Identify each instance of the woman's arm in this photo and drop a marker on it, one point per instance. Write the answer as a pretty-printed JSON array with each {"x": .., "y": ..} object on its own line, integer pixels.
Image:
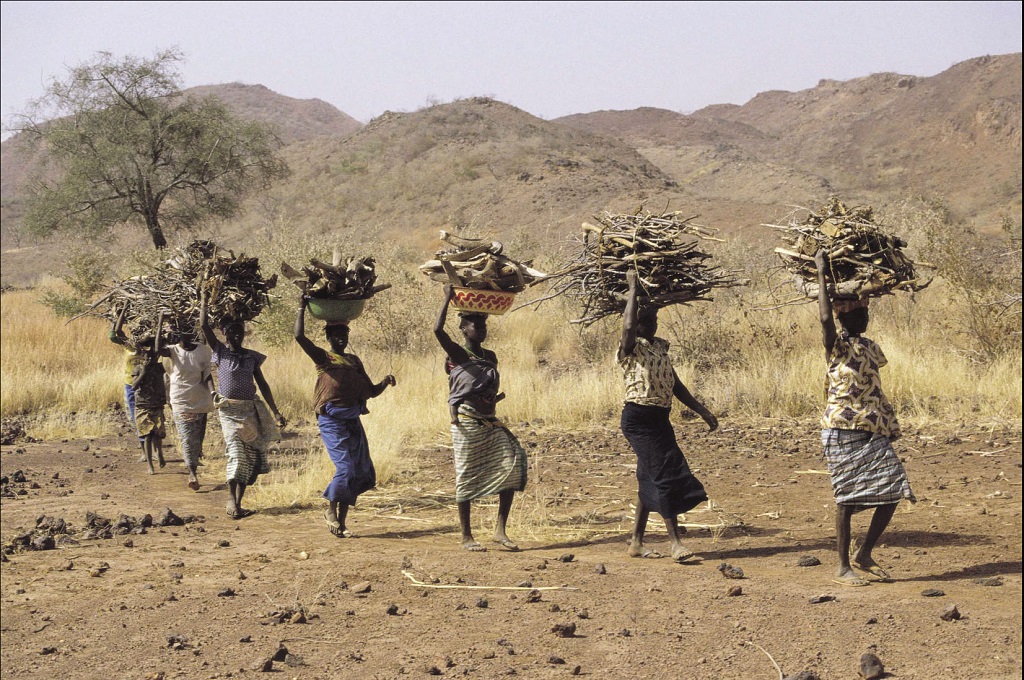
[
  {"x": 457, "y": 354},
  {"x": 627, "y": 341},
  {"x": 691, "y": 402},
  {"x": 307, "y": 345},
  {"x": 261, "y": 383},
  {"x": 828, "y": 324},
  {"x": 378, "y": 389},
  {"x": 204, "y": 323},
  {"x": 116, "y": 334}
]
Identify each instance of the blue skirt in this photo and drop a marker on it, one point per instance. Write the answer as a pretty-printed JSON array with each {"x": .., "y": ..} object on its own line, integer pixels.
[{"x": 345, "y": 439}]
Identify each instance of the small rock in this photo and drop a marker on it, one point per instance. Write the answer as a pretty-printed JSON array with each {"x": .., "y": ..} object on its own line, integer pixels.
[
  {"x": 45, "y": 542},
  {"x": 297, "y": 617},
  {"x": 266, "y": 666},
  {"x": 576, "y": 670},
  {"x": 730, "y": 571},
  {"x": 871, "y": 667},
  {"x": 735, "y": 591},
  {"x": 247, "y": 638},
  {"x": 933, "y": 592},
  {"x": 294, "y": 660},
  {"x": 482, "y": 603},
  {"x": 223, "y": 543},
  {"x": 803, "y": 675},
  {"x": 872, "y": 621},
  {"x": 808, "y": 561},
  {"x": 525, "y": 584},
  {"x": 433, "y": 670},
  {"x": 583, "y": 613},
  {"x": 281, "y": 653},
  {"x": 950, "y": 613},
  {"x": 567, "y": 557},
  {"x": 555, "y": 660},
  {"x": 533, "y": 596},
  {"x": 45, "y": 651},
  {"x": 128, "y": 543},
  {"x": 460, "y": 606},
  {"x": 988, "y": 581},
  {"x": 444, "y": 662},
  {"x": 600, "y": 569},
  {"x": 242, "y": 576},
  {"x": 227, "y": 592},
  {"x": 554, "y": 607},
  {"x": 361, "y": 587},
  {"x": 566, "y": 630},
  {"x": 303, "y": 555},
  {"x": 169, "y": 519},
  {"x": 822, "y": 598},
  {"x": 392, "y": 610}
]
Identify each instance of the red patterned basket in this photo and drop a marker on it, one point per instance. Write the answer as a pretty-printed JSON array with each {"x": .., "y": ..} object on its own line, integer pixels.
[{"x": 476, "y": 301}]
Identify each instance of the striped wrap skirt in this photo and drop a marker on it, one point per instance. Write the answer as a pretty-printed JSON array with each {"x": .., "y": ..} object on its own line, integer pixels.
[
  {"x": 248, "y": 428},
  {"x": 864, "y": 468},
  {"x": 191, "y": 434},
  {"x": 488, "y": 458}
]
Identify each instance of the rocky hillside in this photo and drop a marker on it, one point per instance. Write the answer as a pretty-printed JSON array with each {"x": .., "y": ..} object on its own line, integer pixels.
[
  {"x": 488, "y": 167},
  {"x": 956, "y": 136}
]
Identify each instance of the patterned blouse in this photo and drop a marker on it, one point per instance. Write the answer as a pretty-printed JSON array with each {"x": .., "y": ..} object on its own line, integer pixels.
[
  {"x": 853, "y": 389},
  {"x": 236, "y": 370},
  {"x": 648, "y": 373}
]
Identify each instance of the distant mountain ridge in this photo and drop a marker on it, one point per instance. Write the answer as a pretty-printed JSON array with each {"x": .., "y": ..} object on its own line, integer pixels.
[{"x": 486, "y": 166}]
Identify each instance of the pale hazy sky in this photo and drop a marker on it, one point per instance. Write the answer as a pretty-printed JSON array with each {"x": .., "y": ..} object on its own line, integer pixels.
[{"x": 548, "y": 58}]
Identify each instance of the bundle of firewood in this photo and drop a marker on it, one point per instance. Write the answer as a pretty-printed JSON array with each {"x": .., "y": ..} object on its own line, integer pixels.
[
  {"x": 234, "y": 285},
  {"x": 661, "y": 249},
  {"x": 353, "y": 279},
  {"x": 472, "y": 263},
  {"x": 864, "y": 259}
]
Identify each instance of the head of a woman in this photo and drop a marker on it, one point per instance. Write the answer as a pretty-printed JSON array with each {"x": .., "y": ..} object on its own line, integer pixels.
[
  {"x": 852, "y": 316},
  {"x": 337, "y": 336},
  {"x": 234, "y": 333},
  {"x": 647, "y": 323},
  {"x": 473, "y": 327}
]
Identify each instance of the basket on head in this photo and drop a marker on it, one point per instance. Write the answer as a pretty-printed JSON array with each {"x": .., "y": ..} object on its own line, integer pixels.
[
  {"x": 335, "y": 310},
  {"x": 476, "y": 301}
]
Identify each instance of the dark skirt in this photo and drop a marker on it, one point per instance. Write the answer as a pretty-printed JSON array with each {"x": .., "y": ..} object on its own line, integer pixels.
[{"x": 666, "y": 484}]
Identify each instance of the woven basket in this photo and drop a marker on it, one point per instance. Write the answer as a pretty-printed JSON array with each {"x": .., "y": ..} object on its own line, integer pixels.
[
  {"x": 475, "y": 301},
  {"x": 335, "y": 310}
]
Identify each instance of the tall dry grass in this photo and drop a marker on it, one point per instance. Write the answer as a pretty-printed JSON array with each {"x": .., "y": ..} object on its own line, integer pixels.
[{"x": 743, "y": 358}]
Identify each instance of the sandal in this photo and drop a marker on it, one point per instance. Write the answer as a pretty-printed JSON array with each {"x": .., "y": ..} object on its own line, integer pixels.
[{"x": 333, "y": 525}]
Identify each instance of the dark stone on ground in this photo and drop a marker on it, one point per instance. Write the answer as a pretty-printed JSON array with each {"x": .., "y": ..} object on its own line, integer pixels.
[
  {"x": 822, "y": 598},
  {"x": 933, "y": 592},
  {"x": 808, "y": 561},
  {"x": 600, "y": 569},
  {"x": 871, "y": 667},
  {"x": 735, "y": 591},
  {"x": 566, "y": 630},
  {"x": 730, "y": 571},
  {"x": 950, "y": 613}
]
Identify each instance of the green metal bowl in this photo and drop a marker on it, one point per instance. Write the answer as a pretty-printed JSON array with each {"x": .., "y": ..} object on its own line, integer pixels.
[{"x": 335, "y": 310}]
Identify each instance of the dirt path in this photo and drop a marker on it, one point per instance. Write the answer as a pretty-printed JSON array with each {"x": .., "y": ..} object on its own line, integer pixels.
[{"x": 162, "y": 607}]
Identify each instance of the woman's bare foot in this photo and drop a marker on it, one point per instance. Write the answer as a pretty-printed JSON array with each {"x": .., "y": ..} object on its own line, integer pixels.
[
  {"x": 506, "y": 543},
  {"x": 470, "y": 544},
  {"x": 869, "y": 565},
  {"x": 681, "y": 553}
]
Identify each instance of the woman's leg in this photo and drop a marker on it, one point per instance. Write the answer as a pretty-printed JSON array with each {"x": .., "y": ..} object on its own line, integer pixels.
[
  {"x": 147, "y": 450},
  {"x": 504, "y": 507},
  {"x": 233, "y": 497},
  {"x": 879, "y": 521},
  {"x": 844, "y": 572},
  {"x": 468, "y": 542},
  {"x": 679, "y": 552},
  {"x": 636, "y": 542}
]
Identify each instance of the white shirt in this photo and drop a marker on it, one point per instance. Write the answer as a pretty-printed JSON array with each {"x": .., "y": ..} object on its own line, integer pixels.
[{"x": 189, "y": 372}]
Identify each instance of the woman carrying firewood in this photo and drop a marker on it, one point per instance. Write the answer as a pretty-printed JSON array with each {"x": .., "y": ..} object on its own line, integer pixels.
[
  {"x": 191, "y": 401},
  {"x": 244, "y": 419},
  {"x": 666, "y": 484},
  {"x": 858, "y": 427},
  {"x": 488, "y": 458},
  {"x": 342, "y": 390}
]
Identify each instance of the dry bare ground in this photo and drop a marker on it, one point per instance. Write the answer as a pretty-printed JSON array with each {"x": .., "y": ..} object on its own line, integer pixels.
[{"x": 216, "y": 597}]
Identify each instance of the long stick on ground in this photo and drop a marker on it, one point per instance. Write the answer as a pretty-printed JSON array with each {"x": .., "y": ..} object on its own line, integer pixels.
[
  {"x": 421, "y": 584},
  {"x": 748, "y": 642}
]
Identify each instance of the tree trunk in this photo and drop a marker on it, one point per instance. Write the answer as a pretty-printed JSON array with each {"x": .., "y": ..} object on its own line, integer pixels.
[{"x": 156, "y": 232}]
